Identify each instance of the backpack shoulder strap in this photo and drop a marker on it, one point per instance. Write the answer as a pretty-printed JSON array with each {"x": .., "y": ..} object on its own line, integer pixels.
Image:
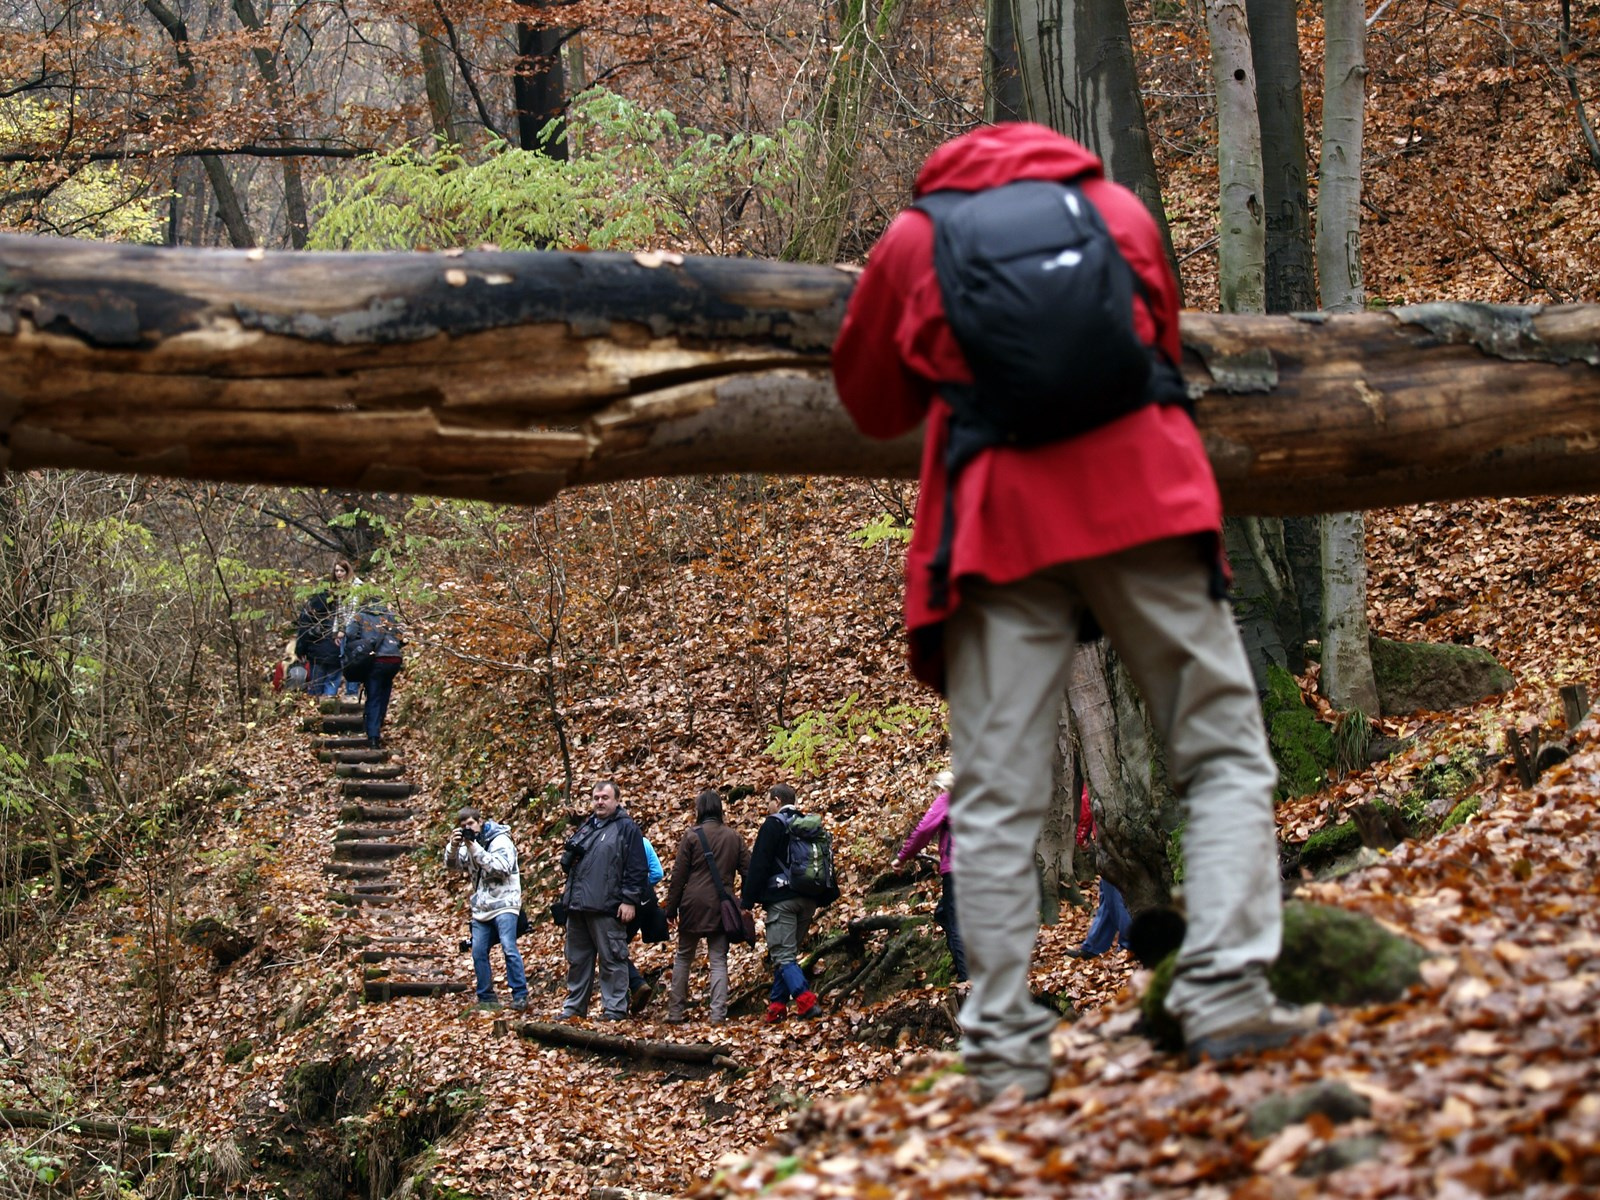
[{"x": 711, "y": 862}]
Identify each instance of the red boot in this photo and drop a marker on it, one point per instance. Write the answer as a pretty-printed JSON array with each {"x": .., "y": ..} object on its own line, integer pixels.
[
  {"x": 806, "y": 1005},
  {"x": 777, "y": 1012}
]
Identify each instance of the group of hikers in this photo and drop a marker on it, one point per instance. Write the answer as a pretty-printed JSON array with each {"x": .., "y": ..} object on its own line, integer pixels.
[
  {"x": 349, "y": 642},
  {"x": 611, "y": 871},
  {"x": 1024, "y": 313}
]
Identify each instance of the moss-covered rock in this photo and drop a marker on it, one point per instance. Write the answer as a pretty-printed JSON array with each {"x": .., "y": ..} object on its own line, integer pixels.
[
  {"x": 1302, "y": 746},
  {"x": 1434, "y": 676},
  {"x": 1459, "y": 814},
  {"x": 1329, "y": 955}
]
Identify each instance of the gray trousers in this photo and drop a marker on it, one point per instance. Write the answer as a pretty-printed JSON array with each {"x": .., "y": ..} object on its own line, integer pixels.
[
  {"x": 1009, "y": 649},
  {"x": 596, "y": 938},
  {"x": 683, "y": 963}
]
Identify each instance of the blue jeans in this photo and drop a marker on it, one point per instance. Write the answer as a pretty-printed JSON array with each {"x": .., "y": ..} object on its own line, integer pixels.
[
  {"x": 380, "y": 685},
  {"x": 324, "y": 679},
  {"x": 944, "y": 913},
  {"x": 787, "y": 923},
  {"x": 1111, "y": 922},
  {"x": 484, "y": 933},
  {"x": 352, "y": 687}
]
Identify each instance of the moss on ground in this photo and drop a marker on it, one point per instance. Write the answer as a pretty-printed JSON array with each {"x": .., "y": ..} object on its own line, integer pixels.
[
  {"x": 1329, "y": 955},
  {"x": 1302, "y": 746}
]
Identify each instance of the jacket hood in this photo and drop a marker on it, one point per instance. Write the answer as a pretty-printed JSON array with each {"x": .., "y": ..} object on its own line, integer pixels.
[
  {"x": 491, "y": 830},
  {"x": 996, "y": 154}
]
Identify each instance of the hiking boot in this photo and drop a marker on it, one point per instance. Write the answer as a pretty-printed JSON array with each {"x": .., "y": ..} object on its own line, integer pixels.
[
  {"x": 775, "y": 1013},
  {"x": 1272, "y": 1027},
  {"x": 806, "y": 1005},
  {"x": 639, "y": 997},
  {"x": 520, "y": 1005}
]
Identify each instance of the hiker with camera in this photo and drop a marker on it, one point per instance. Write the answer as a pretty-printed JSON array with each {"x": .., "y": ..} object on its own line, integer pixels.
[
  {"x": 791, "y": 874},
  {"x": 606, "y": 881},
  {"x": 1025, "y": 310},
  {"x": 484, "y": 852}
]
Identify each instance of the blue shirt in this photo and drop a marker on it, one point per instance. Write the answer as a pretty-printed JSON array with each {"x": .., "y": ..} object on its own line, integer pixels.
[{"x": 652, "y": 863}]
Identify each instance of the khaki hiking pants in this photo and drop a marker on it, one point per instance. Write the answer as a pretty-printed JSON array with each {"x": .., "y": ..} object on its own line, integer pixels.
[{"x": 1009, "y": 649}]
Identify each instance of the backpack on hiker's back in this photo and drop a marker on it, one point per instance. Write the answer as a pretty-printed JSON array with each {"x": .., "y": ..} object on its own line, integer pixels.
[
  {"x": 1040, "y": 299},
  {"x": 374, "y": 632},
  {"x": 808, "y": 858}
]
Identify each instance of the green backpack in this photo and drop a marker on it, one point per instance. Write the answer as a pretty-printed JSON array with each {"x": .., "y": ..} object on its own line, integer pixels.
[{"x": 808, "y": 863}]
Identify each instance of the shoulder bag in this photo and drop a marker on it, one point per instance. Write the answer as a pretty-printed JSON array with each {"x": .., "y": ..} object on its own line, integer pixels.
[{"x": 737, "y": 922}]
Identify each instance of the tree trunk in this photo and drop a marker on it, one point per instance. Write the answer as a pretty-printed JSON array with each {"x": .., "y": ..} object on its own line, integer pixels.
[
  {"x": 1002, "y": 72},
  {"x": 228, "y": 206},
  {"x": 540, "y": 86},
  {"x": 506, "y": 377},
  {"x": 1291, "y": 284},
  {"x": 294, "y": 192},
  {"x": 1241, "y": 230},
  {"x": 1347, "y": 676},
  {"x": 823, "y": 217},
  {"x": 436, "y": 81},
  {"x": 1125, "y": 766},
  {"x": 1079, "y": 78},
  {"x": 1053, "y": 854},
  {"x": 1264, "y": 601}
]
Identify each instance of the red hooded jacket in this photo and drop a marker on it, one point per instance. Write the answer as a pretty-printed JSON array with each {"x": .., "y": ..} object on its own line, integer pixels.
[{"x": 1141, "y": 478}]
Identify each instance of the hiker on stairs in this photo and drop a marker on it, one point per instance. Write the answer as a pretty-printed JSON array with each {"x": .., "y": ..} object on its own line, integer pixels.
[{"x": 484, "y": 851}]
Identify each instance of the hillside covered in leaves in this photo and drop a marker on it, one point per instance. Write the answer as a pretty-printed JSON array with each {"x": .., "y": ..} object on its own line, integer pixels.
[{"x": 734, "y": 633}]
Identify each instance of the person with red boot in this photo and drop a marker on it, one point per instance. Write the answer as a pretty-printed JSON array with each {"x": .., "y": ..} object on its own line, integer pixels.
[{"x": 1119, "y": 521}]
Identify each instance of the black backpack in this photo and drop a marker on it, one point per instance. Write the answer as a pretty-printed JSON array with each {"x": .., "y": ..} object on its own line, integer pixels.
[
  {"x": 1040, "y": 300},
  {"x": 373, "y": 625}
]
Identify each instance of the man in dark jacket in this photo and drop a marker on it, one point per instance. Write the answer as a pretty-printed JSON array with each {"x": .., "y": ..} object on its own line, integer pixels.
[
  {"x": 606, "y": 873},
  {"x": 374, "y": 632},
  {"x": 1122, "y": 522},
  {"x": 788, "y": 914}
]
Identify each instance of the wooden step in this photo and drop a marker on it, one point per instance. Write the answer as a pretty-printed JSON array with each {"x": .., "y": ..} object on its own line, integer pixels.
[
  {"x": 356, "y": 870},
  {"x": 377, "y": 990},
  {"x": 358, "y": 940},
  {"x": 369, "y": 770},
  {"x": 342, "y": 743},
  {"x": 375, "y": 889},
  {"x": 338, "y": 723},
  {"x": 354, "y": 899},
  {"x": 369, "y": 833},
  {"x": 364, "y": 789},
  {"x": 366, "y": 851},
  {"x": 378, "y": 956},
  {"x": 375, "y": 812},
  {"x": 332, "y": 707},
  {"x": 353, "y": 756}
]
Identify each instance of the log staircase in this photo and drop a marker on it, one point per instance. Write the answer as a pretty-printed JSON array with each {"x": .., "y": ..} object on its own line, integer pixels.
[{"x": 377, "y": 828}]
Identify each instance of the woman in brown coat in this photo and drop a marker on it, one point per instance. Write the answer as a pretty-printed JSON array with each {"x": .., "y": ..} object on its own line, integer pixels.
[{"x": 692, "y": 902}]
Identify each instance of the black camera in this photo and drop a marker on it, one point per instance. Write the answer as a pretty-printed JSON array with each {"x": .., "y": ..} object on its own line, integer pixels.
[
  {"x": 464, "y": 945},
  {"x": 571, "y": 853}
]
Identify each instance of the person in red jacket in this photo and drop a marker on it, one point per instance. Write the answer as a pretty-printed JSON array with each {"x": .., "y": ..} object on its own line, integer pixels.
[{"x": 1123, "y": 522}]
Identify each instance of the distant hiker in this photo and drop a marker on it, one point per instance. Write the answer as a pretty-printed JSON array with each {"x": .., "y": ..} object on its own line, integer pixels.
[
  {"x": 936, "y": 822},
  {"x": 649, "y": 921},
  {"x": 1112, "y": 921},
  {"x": 606, "y": 878},
  {"x": 1092, "y": 496},
  {"x": 372, "y": 654},
  {"x": 483, "y": 850},
  {"x": 710, "y": 856},
  {"x": 778, "y": 879},
  {"x": 317, "y": 641},
  {"x": 346, "y": 587}
]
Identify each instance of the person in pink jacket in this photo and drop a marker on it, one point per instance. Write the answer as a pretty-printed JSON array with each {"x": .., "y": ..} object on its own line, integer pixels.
[{"x": 936, "y": 823}]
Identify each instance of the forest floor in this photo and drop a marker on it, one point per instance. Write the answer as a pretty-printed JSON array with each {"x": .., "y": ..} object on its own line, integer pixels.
[{"x": 280, "y": 1081}]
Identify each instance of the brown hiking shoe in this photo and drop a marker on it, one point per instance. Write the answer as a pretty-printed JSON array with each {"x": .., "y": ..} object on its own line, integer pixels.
[{"x": 1272, "y": 1027}]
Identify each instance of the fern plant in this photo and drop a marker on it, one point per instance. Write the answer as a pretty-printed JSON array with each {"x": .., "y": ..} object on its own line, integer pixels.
[{"x": 641, "y": 179}]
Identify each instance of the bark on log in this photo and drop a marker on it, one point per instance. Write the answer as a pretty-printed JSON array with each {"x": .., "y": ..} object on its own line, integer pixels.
[
  {"x": 117, "y": 1131},
  {"x": 509, "y": 376},
  {"x": 642, "y": 1049}
]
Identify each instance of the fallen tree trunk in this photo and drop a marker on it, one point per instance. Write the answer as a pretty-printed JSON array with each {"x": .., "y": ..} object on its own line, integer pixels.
[
  {"x": 642, "y": 1049},
  {"x": 115, "y": 1131},
  {"x": 507, "y": 377}
]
